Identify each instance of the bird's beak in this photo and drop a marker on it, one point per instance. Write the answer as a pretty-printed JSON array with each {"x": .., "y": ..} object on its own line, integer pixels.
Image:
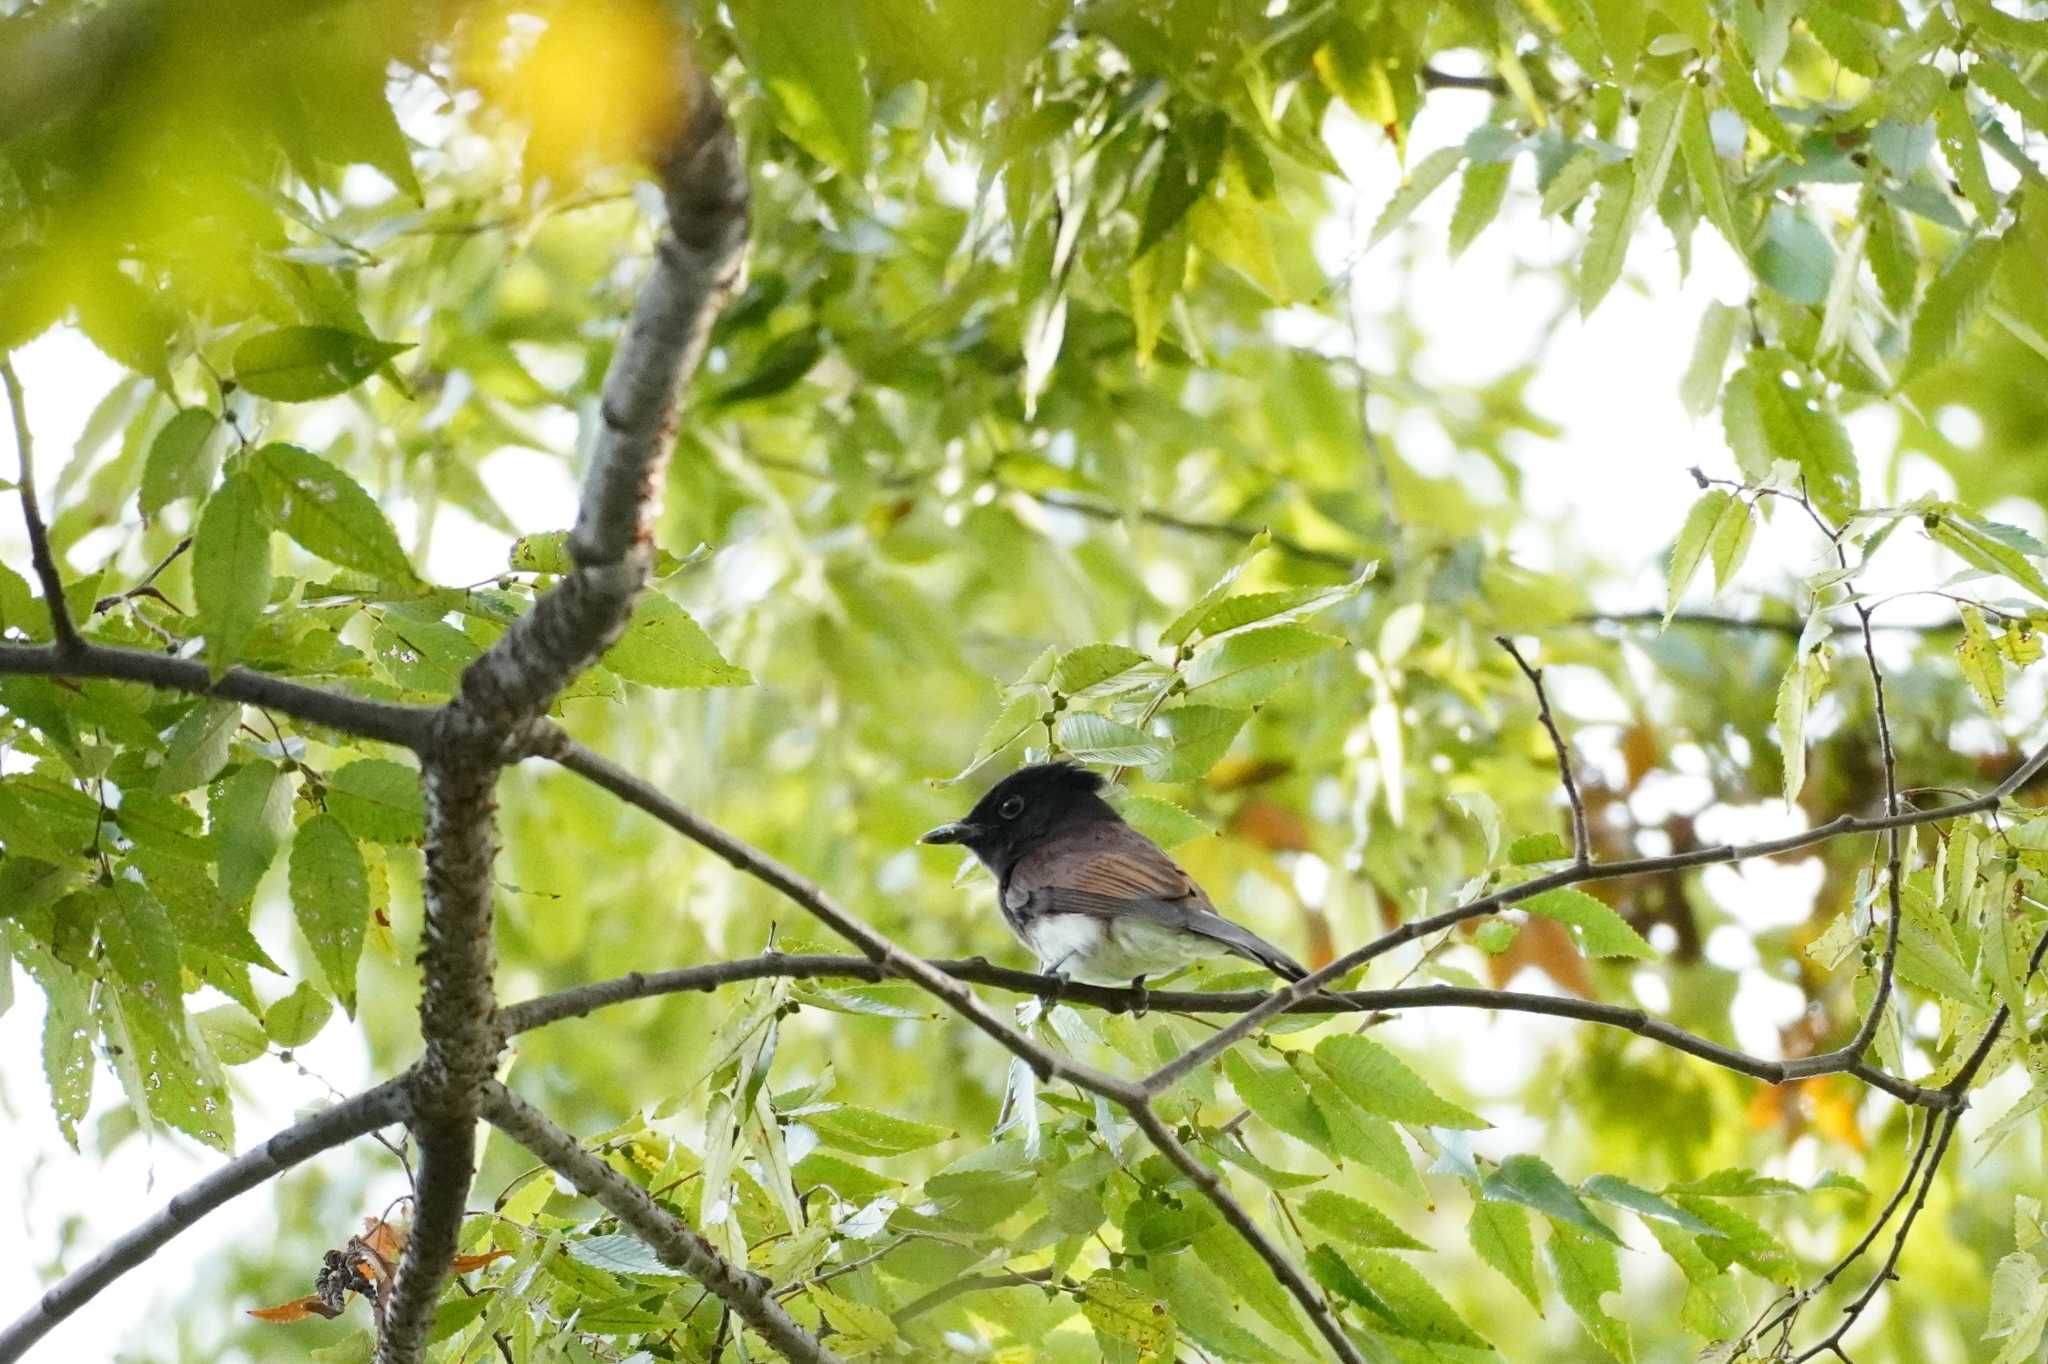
[{"x": 948, "y": 833}]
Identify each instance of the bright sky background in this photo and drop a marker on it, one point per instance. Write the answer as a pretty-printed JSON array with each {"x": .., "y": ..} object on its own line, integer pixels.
[{"x": 1615, "y": 487}]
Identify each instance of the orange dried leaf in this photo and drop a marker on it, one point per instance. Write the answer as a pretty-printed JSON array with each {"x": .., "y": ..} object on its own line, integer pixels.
[
  {"x": 382, "y": 1238},
  {"x": 298, "y": 1309},
  {"x": 462, "y": 1264}
]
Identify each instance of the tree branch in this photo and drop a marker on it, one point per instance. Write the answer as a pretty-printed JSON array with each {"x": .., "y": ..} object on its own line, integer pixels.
[
  {"x": 61, "y": 628},
  {"x": 696, "y": 266},
  {"x": 586, "y": 999},
  {"x": 1284, "y": 1269},
  {"x": 331, "y": 1127},
  {"x": 386, "y": 721},
  {"x": 1221, "y": 1041},
  {"x": 746, "y": 1293},
  {"x": 1582, "y": 847}
]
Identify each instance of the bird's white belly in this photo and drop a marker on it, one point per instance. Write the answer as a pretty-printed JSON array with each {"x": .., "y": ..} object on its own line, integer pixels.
[{"x": 1099, "y": 952}]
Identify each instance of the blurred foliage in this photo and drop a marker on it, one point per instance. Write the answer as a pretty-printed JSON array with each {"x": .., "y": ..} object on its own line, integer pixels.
[{"x": 1007, "y": 390}]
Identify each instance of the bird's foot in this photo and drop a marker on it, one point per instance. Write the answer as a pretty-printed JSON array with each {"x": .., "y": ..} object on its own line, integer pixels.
[{"x": 1143, "y": 1004}]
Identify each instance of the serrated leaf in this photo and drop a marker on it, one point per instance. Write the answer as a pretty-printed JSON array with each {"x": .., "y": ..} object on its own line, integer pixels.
[
  {"x": 1990, "y": 545},
  {"x": 813, "y": 71},
  {"x": 1703, "y": 166},
  {"x": 1012, "y": 722},
  {"x": 1702, "y": 382},
  {"x": 847, "y": 1127},
  {"x": 1691, "y": 546},
  {"x": 198, "y": 746},
  {"x": 1380, "y": 1082},
  {"x": 1599, "y": 931},
  {"x": 181, "y": 1086},
  {"x": 1162, "y": 821},
  {"x": 1277, "y": 1097},
  {"x": 298, "y": 364},
  {"x": 1423, "y": 180},
  {"x": 1293, "y": 603},
  {"x": 1798, "y": 423},
  {"x": 620, "y": 1254},
  {"x": 1740, "y": 1240},
  {"x": 1091, "y": 666},
  {"x": 231, "y": 567},
  {"x": 1964, "y": 153},
  {"x": 329, "y": 514},
  {"x": 1894, "y": 256},
  {"x": 1121, "y": 1312},
  {"x": 180, "y": 462},
  {"x": 664, "y": 647},
  {"x": 1729, "y": 546},
  {"x": 330, "y": 891},
  {"x": 1197, "y": 737},
  {"x": 297, "y": 1018},
  {"x": 1983, "y": 667},
  {"x": 1421, "y": 1311},
  {"x": 1572, "y": 180},
  {"x": 1640, "y": 1201},
  {"x": 1607, "y": 241},
  {"x": 1529, "y": 1181},
  {"x": 1226, "y": 223},
  {"x": 249, "y": 821},
  {"x": 1357, "y": 1222},
  {"x": 1095, "y": 738},
  {"x": 1795, "y": 694},
  {"x": 1185, "y": 623},
  {"x": 1528, "y": 849},
  {"x": 1587, "y": 1268},
  {"x": 1480, "y": 195},
  {"x": 235, "y": 1037},
  {"x": 1244, "y": 669},
  {"x": 1953, "y": 302},
  {"x": 1499, "y": 1232},
  {"x": 378, "y": 800}
]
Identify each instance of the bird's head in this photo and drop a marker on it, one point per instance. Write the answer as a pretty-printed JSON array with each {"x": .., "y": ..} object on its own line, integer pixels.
[{"x": 1023, "y": 808}]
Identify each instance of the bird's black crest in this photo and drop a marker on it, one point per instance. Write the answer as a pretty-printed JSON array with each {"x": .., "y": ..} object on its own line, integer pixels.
[{"x": 1040, "y": 780}]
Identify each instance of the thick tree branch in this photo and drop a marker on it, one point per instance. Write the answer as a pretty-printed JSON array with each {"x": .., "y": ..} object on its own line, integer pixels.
[
  {"x": 696, "y": 266},
  {"x": 1284, "y": 1269},
  {"x": 61, "y": 628},
  {"x": 382, "y": 720},
  {"x": 586, "y": 999},
  {"x": 746, "y": 1293},
  {"x": 1221, "y": 1041},
  {"x": 331, "y": 1127}
]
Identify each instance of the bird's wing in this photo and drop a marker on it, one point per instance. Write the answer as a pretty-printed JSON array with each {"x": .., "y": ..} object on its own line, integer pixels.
[{"x": 1185, "y": 914}]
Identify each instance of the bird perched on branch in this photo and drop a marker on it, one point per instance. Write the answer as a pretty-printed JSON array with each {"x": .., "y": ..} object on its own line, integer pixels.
[{"x": 1091, "y": 897}]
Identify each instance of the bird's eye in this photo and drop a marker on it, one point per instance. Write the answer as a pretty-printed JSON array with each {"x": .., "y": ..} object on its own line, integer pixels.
[{"x": 1012, "y": 807}]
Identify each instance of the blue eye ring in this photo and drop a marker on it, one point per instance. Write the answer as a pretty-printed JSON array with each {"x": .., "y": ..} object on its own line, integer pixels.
[{"x": 1012, "y": 807}]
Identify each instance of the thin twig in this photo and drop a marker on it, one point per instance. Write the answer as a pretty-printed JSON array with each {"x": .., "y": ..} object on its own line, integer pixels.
[
  {"x": 61, "y": 629},
  {"x": 1582, "y": 846},
  {"x": 145, "y": 586}
]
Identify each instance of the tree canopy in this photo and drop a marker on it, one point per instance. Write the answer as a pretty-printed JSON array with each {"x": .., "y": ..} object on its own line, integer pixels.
[{"x": 460, "y": 490}]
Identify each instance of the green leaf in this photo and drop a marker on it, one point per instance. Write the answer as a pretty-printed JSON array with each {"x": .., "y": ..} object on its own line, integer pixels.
[
  {"x": 620, "y": 1253},
  {"x": 1499, "y": 1232},
  {"x": 235, "y": 1038},
  {"x": 1587, "y": 1268},
  {"x": 1622, "y": 1194},
  {"x": 1092, "y": 666},
  {"x": 1198, "y": 737},
  {"x": 1737, "y": 1239},
  {"x": 1529, "y": 1181},
  {"x": 67, "y": 1043},
  {"x": 330, "y": 891},
  {"x": 664, "y": 647},
  {"x": 1691, "y": 548},
  {"x": 1012, "y": 722},
  {"x": 1702, "y": 382},
  {"x": 198, "y": 747},
  {"x": 1095, "y": 738},
  {"x": 1336, "y": 1275},
  {"x": 1123, "y": 1313},
  {"x": 1428, "y": 173},
  {"x": 1999, "y": 81},
  {"x": 1599, "y": 931},
  {"x": 1893, "y": 254},
  {"x": 1737, "y": 1182},
  {"x": 1416, "y": 1305},
  {"x": 181, "y": 460},
  {"x": 1709, "y": 178},
  {"x": 1480, "y": 195},
  {"x": 1278, "y": 1098},
  {"x": 1796, "y": 691},
  {"x": 863, "y": 1131},
  {"x": 1615, "y": 213},
  {"x": 1794, "y": 257},
  {"x": 1738, "y": 81},
  {"x": 813, "y": 71},
  {"x": 1990, "y": 545},
  {"x": 1533, "y": 848},
  {"x": 183, "y": 1088},
  {"x": 1572, "y": 181},
  {"x": 1965, "y": 154},
  {"x": 1189, "y": 620},
  {"x": 1244, "y": 669},
  {"x": 250, "y": 818},
  {"x": 297, "y": 1018},
  {"x": 1251, "y": 1279},
  {"x": 1162, "y": 821},
  {"x": 1226, "y": 223},
  {"x": 378, "y": 800},
  {"x": 231, "y": 567},
  {"x": 1357, "y": 1222},
  {"x": 1380, "y": 1082},
  {"x": 1983, "y": 667},
  {"x": 1292, "y": 603},
  {"x": 298, "y": 364},
  {"x": 329, "y": 514},
  {"x": 1798, "y": 423},
  {"x": 1954, "y": 300},
  {"x": 1733, "y": 533}
]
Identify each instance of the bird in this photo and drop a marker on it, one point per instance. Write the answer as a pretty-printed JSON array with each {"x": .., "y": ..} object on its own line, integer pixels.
[{"x": 1092, "y": 898}]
